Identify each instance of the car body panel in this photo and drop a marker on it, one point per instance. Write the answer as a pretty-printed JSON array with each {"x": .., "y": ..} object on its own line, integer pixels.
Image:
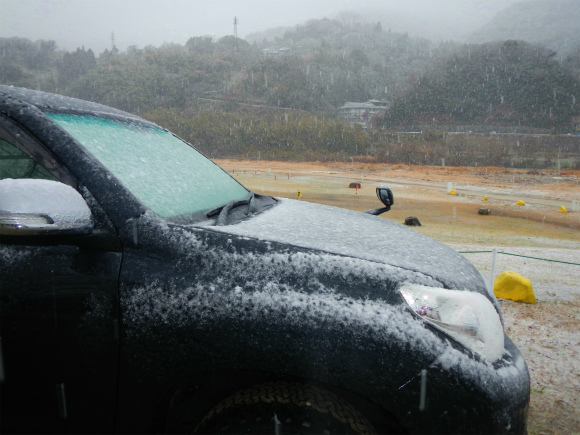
[
  {"x": 331, "y": 329},
  {"x": 59, "y": 311},
  {"x": 361, "y": 235}
]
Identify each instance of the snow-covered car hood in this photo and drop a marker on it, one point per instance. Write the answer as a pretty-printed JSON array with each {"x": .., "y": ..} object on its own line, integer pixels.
[{"x": 360, "y": 235}]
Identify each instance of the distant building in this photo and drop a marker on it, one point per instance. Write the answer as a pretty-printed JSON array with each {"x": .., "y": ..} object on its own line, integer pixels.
[
  {"x": 361, "y": 113},
  {"x": 275, "y": 53}
]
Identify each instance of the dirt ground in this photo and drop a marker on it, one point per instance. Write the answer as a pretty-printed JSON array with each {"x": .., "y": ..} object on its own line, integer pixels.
[
  {"x": 547, "y": 332},
  {"x": 422, "y": 192}
]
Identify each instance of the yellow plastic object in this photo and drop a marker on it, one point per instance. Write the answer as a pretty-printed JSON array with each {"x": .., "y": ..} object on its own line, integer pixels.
[
  {"x": 484, "y": 198},
  {"x": 563, "y": 210},
  {"x": 299, "y": 194},
  {"x": 520, "y": 202},
  {"x": 452, "y": 192},
  {"x": 512, "y": 285}
]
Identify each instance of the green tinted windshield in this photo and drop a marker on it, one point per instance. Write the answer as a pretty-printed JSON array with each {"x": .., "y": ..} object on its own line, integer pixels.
[{"x": 162, "y": 171}]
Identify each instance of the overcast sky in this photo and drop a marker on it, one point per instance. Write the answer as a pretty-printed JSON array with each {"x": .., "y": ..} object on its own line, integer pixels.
[{"x": 89, "y": 23}]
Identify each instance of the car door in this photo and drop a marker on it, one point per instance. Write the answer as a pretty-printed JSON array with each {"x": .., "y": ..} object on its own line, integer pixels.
[{"x": 58, "y": 311}]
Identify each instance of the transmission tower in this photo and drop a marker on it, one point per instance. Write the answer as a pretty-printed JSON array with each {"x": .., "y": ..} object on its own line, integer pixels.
[{"x": 236, "y": 26}]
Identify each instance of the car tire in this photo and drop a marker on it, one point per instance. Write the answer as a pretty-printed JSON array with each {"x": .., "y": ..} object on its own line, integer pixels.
[{"x": 284, "y": 408}]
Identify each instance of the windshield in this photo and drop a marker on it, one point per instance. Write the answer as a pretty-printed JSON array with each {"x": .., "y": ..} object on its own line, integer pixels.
[{"x": 163, "y": 172}]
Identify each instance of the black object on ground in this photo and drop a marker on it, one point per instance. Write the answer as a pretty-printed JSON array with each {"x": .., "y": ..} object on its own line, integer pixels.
[{"x": 412, "y": 221}]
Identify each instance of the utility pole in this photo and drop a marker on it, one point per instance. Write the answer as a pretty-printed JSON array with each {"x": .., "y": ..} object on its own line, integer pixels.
[
  {"x": 236, "y": 21},
  {"x": 114, "y": 49}
]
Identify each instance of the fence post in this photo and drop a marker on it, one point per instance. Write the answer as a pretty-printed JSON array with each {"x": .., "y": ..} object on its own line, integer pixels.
[{"x": 492, "y": 277}]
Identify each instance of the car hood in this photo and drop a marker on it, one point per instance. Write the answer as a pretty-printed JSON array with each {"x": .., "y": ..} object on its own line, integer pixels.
[{"x": 360, "y": 235}]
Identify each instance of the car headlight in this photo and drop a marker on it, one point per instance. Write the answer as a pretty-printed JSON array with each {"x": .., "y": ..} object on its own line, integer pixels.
[{"x": 468, "y": 317}]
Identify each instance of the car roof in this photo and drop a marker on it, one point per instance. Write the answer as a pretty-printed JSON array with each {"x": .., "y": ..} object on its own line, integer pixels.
[{"x": 47, "y": 102}]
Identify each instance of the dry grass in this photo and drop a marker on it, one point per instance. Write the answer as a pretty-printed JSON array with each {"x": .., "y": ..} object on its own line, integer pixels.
[{"x": 571, "y": 172}]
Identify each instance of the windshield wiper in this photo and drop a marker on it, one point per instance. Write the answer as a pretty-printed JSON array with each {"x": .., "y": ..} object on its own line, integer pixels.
[{"x": 223, "y": 210}]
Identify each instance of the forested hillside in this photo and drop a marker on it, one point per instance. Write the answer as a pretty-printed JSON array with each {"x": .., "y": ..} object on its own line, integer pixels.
[
  {"x": 278, "y": 98},
  {"x": 509, "y": 83},
  {"x": 326, "y": 64},
  {"x": 332, "y": 62},
  {"x": 315, "y": 67},
  {"x": 554, "y": 24}
]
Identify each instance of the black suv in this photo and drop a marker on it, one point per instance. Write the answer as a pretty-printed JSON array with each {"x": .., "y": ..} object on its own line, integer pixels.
[{"x": 143, "y": 289}]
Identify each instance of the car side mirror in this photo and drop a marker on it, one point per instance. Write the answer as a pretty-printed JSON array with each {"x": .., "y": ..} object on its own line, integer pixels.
[
  {"x": 30, "y": 207},
  {"x": 385, "y": 195}
]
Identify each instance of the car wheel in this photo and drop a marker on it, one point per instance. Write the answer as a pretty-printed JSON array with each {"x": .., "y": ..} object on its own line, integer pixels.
[{"x": 284, "y": 408}]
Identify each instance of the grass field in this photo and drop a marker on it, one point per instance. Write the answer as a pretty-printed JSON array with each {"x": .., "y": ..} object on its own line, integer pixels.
[{"x": 547, "y": 333}]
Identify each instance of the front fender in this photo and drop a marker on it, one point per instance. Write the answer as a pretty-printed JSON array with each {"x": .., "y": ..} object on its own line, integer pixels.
[{"x": 209, "y": 302}]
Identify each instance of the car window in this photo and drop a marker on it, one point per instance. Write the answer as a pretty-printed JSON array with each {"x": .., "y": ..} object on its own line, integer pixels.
[
  {"x": 163, "y": 172},
  {"x": 23, "y": 156},
  {"x": 14, "y": 163}
]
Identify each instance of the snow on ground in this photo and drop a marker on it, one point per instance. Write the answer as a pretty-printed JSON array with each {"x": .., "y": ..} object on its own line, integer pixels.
[
  {"x": 547, "y": 332},
  {"x": 547, "y": 335}
]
